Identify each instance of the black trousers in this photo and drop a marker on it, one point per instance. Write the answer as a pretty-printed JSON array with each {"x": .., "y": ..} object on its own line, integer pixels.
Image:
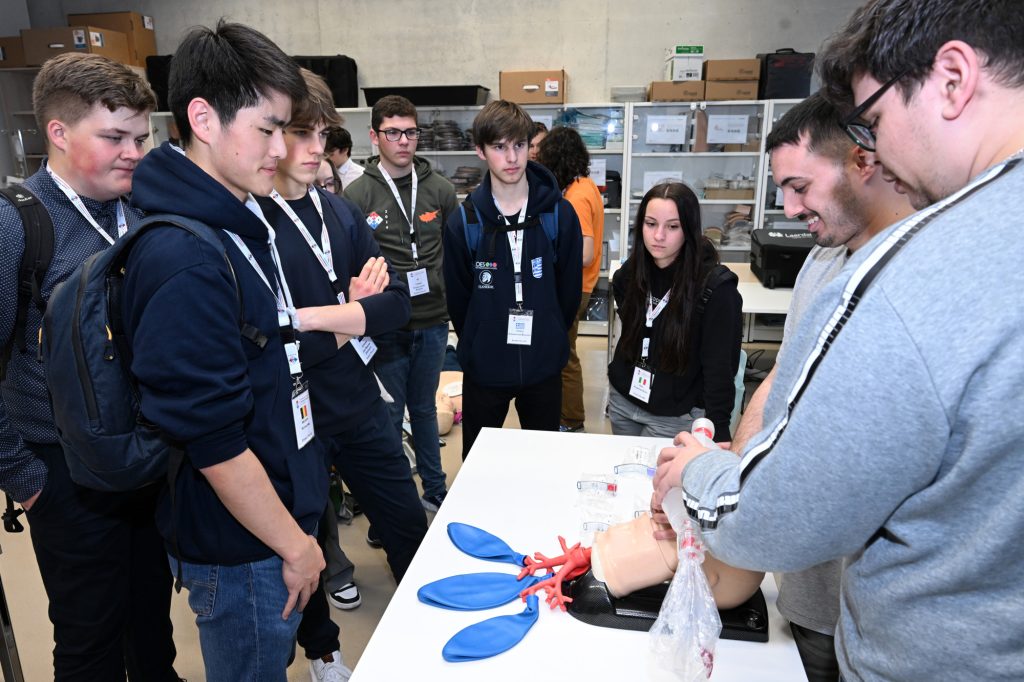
[
  {"x": 539, "y": 407},
  {"x": 817, "y": 653},
  {"x": 105, "y": 570}
]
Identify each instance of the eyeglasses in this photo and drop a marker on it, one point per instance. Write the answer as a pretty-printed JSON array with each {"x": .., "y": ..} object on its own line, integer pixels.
[
  {"x": 326, "y": 185},
  {"x": 394, "y": 134},
  {"x": 860, "y": 130}
]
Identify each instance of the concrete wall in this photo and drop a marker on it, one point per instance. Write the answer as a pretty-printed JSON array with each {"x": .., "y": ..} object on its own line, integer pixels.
[
  {"x": 600, "y": 43},
  {"x": 15, "y": 16}
]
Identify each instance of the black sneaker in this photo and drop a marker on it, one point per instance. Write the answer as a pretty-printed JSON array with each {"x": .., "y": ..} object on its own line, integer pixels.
[
  {"x": 345, "y": 597},
  {"x": 372, "y": 539}
]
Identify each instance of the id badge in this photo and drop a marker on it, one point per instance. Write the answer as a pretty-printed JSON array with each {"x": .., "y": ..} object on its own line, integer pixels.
[
  {"x": 341, "y": 297},
  {"x": 302, "y": 413},
  {"x": 418, "y": 284},
  {"x": 520, "y": 327},
  {"x": 292, "y": 351},
  {"x": 364, "y": 347},
  {"x": 640, "y": 388}
]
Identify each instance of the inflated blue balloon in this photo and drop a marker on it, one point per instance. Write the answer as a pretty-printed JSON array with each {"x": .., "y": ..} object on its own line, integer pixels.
[
  {"x": 492, "y": 636},
  {"x": 482, "y": 545},
  {"x": 475, "y": 591}
]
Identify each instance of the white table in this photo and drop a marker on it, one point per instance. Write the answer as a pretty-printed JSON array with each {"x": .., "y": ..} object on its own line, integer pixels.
[
  {"x": 521, "y": 486},
  {"x": 758, "y": 298}
]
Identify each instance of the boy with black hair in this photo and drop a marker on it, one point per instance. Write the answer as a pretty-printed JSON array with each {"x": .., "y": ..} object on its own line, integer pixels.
[
  {"x": 100, "y": 557},
  {"x": 332, "y": 262},
  {"x": 339, "y": 151},
  {"x": 253, "y": 483},
  {"x": 406, "y": 205},
  {"x": 513, "y": 270}
]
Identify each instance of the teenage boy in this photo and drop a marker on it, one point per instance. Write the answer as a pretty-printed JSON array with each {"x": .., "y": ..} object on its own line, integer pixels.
[
  {"x": 898, "y": 444},
  {"x": 332, "y": 260},
  {"x": 406, "y": 205},
  {"x": 339, "y": 151},
  {"x": 514, "y": 285},
  {"x": 839, "y": 190},
  {"x": 99, "y": 555},
  {"x": 253, "y": 483}
]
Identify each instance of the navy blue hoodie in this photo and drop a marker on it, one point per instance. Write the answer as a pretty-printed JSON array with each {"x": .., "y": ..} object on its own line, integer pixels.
[
  {"x": 342, "y": 388},
  {"x": 200, "y": 381},
  {"x": 481, "y": 286}
]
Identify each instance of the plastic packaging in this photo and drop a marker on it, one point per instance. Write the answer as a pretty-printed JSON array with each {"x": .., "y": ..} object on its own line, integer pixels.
[{"x": 683, "y": 638}]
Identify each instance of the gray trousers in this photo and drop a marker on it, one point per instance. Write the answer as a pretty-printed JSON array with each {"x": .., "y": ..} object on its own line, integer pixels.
[
  {"x": 340, "y": 571},
  {"x": 629, "y": 419}
]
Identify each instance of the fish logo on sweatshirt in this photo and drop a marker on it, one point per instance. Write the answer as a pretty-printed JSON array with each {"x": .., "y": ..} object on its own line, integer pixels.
[
  {"x": 374, "y": 220},
  {"x": 428, "y": 216}
]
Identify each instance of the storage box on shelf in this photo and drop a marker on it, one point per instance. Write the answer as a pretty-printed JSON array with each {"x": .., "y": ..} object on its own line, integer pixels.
[
  {"x": 42, "y": 43},
  {"x": 137, "y": 28}
]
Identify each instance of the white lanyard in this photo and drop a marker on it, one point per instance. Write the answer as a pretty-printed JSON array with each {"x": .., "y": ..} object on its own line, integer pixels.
[
  {"x": 515, "y": 244},
  {"x": 285, "y": 307},
  {"x": 652, "y": 314},
  {"x": 76, "y": 201},
  {"x": 324, "y": 254},
  {"x": 398, "y": 200}
]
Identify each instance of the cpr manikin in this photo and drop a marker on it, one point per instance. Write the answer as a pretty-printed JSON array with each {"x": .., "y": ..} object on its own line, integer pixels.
[{"x": 627, "y": 558}]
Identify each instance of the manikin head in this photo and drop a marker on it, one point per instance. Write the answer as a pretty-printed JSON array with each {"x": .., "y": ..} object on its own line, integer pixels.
[
  {"x": 95, "y": 114},
  {"x": 826, "y": 179},
  {"x": 502, "y": 132},
  {"x": 231, "y": 91},
  {"x": 936, "y": 87}
]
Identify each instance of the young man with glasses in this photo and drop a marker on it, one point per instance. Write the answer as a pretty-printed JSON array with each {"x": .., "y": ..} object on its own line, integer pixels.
[
  {"x": 406, "y": 205},
  {"x": 915, "y": 350}
]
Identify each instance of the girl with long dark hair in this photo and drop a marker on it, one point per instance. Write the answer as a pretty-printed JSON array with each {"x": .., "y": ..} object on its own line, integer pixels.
[{"x": 681, "y": 317}]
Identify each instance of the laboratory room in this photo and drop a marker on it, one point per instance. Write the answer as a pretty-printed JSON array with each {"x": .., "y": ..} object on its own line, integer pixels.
[{"x": 467, "y": 341}]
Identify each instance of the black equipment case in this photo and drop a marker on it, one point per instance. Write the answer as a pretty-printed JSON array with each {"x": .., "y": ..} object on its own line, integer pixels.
[
  {"x": 785, "y": 74},
  {"x": 776, "y": 256}
]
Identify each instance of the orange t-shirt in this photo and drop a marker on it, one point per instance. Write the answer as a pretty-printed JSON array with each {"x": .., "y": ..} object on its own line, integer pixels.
[{"x": 586, "y": 199}]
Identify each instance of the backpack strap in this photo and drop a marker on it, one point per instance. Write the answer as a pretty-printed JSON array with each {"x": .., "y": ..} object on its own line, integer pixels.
[
  {"x": 716, "y": 276},
  {"x": 35, "y": 260},
  {"x": 471, "y": 227}
]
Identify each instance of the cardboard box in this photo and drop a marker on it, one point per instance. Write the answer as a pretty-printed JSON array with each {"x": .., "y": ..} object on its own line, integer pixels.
[
  {"x": 732, "y": 69},
  {"x": 717, "y": 91},
  {"x": 729, "y": 194},
  {"x": 533, "y": 87},
  {"x": 684, "y": 63},
  {"x": 680, "y": 91},
  {"x": 43, "y": 43},
  {"x": 138, "y": 28},
  {"x": 12, "y": 53}
]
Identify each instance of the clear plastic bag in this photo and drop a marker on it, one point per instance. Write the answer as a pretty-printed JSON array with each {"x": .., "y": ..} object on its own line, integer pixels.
[{"x": 683, "y": 638}]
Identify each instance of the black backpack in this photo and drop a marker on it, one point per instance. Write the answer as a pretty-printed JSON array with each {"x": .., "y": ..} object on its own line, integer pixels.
[
  {"x": 35, "y": 260},
  {"x": 107, "y": 442}
]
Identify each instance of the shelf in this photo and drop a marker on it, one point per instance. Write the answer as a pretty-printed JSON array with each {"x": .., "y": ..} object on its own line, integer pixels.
[
  {"x": 593, "y": 328},
  {"x": 672, "y": 155},
  {"x": 606, "y": 151},
  {"x": 613, "y": 210},
  {"x": 775, "y": 211},
  {"x": 24, "y": 112},
  {"x": 731, "y": 247}
]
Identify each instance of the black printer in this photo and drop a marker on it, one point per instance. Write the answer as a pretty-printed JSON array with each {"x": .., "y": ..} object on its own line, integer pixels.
[{"x": 776, "y": 255}]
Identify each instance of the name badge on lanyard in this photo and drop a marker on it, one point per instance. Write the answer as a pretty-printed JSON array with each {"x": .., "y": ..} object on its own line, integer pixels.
[
  {"x": 520, "y": 321},
  {"x": 643, "y": 378},
  {"x": 420, "y": 287},
  {"x": 323, "y": 252},
  {"x": 302, "y": 413}
]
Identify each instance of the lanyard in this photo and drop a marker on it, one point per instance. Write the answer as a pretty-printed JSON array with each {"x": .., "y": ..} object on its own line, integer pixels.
[
  {"x": 652, "y": 313},
  {"x": 412, "y": 208},
  {"x": 285, "y": 307},
  {"x": 76, "y": 201},
  {"x": 323, "y": 255},
  {"x": 515, "y": 244}
]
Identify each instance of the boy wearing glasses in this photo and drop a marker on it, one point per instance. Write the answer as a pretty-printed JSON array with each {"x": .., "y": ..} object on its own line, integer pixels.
[
  {"x": 898, "y": 440},
  {"x": 406, "y": 205}
]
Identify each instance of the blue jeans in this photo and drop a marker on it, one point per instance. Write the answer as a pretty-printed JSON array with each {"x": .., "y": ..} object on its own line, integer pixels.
[
  {"x": 238, "y": 612},
  {"x": 409, "y": 365}
]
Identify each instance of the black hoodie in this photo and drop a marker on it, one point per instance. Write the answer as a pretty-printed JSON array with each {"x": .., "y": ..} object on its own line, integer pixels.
[
  {"x": 481, "y": 287},
  {"x": 199, "y": 380}
]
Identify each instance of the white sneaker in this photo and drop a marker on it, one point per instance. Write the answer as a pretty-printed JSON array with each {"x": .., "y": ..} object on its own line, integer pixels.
[{"x": 330, "y": 668}]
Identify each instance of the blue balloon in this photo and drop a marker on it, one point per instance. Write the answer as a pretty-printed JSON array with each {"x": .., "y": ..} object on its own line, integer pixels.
[
  {"x": 482, "y": 545},
  {"x": 492, "y": 636},
  {"x": 475, "y": 591}
]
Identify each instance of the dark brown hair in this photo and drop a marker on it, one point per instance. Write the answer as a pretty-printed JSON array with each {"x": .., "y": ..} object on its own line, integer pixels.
[
  {"x": 502, "y": 120},
  {"x": 563, "y": 153},
  {"x": 317, "y": 106},
  {"x": 391, "y": 105}
]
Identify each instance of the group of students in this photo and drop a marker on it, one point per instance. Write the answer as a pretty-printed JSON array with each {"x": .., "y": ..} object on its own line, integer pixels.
[{"x": 888, "y": 425}]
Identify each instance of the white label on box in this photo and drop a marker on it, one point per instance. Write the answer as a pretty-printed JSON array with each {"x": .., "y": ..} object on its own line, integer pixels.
[
  {"x": 147, "y": 22},
  {"x": 78, "y": 36},
  {"x": 652, "y": 178},
  {"x": 551, "y": 87},
  {"x": 546, "y": 120},
  {"x": 666, "y": 130},
  {"x": 598, "y": 171},
  {"x": 727, "y": 129},
  {"x": 96, "y": 38}
]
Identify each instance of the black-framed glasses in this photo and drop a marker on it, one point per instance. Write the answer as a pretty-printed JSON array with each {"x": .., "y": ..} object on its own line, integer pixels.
[
  {"x": 394, "y": 134},
  {"x": 860, "y": 130}
]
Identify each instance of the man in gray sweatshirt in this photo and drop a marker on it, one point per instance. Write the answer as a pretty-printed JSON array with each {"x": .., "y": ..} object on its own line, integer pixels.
[{"x": 894, "y": 439}]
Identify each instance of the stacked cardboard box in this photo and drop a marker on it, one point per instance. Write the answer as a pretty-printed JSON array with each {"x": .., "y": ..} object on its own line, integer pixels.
[
  {"x": 138, "y": 29},
  {"x": 12, "y": 53},
  {"x": 533, "y": 87},
  {"x": 42, "y": 43},
  {"x": 731, "y": 79}
]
